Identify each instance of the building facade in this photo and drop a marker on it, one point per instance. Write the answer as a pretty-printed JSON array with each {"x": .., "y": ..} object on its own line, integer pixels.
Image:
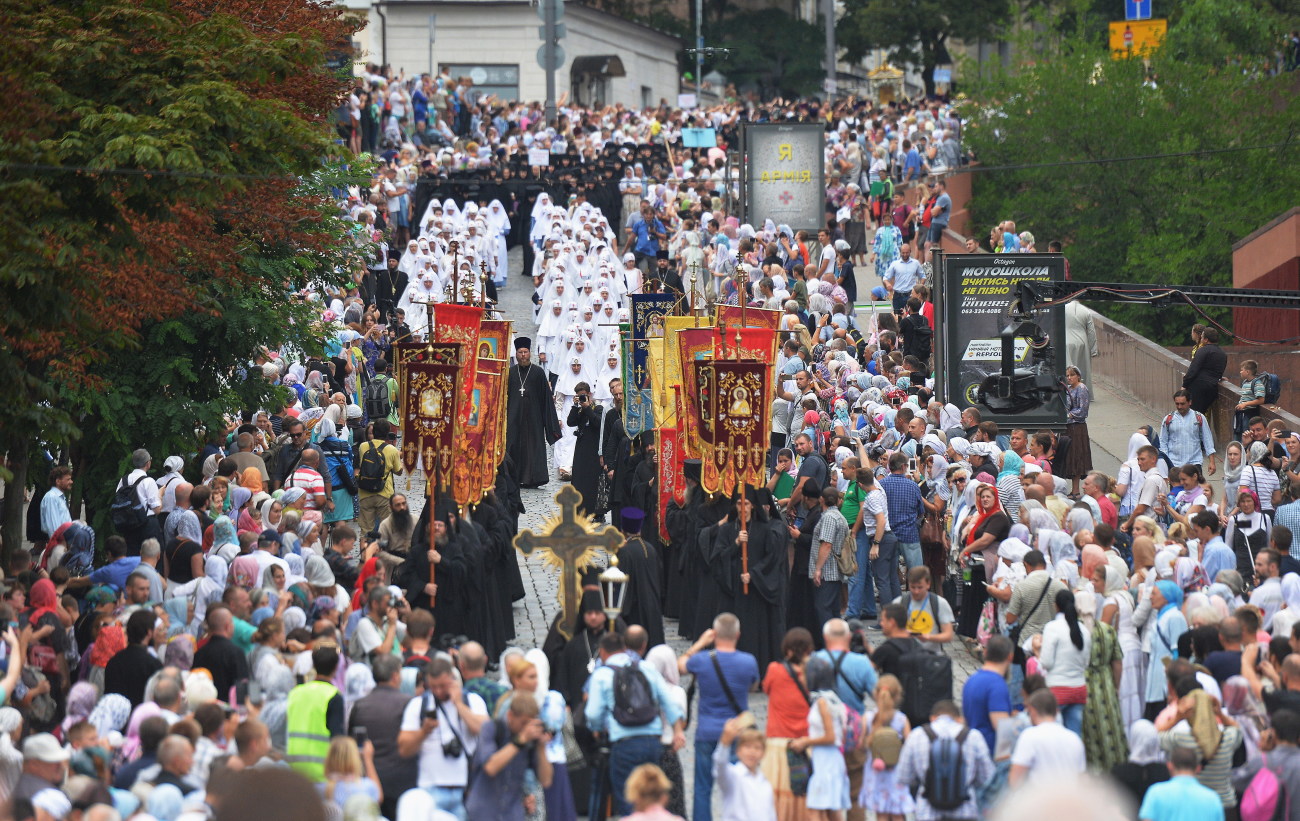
[{"x": 495, "y": 42}]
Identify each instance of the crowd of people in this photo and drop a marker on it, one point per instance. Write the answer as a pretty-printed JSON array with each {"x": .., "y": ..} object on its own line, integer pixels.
[{"x": 272, "y": 621}]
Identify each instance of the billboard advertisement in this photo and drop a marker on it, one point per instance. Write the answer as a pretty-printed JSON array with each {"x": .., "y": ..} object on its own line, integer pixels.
[
  {"x": 785, "y": 174},
  {"x": 971, "y": 300}
]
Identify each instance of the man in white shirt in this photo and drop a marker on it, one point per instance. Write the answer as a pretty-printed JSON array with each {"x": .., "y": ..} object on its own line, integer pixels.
[
  {"x": 146, "y": 490},
  {"x": 1155, "y": 488},
  {"x": 1046, "y": 750},
  {"x": 902, "y": 276},
  {"x": 437, "y": 727}
]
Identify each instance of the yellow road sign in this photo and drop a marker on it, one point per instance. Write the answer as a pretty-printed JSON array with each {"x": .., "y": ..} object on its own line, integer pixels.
[{"x": 1136, "y": 38}]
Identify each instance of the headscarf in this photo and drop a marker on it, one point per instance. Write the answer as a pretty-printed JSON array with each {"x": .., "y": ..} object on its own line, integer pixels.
[
  {"x": 369, "y": 569},
  {"x": 357, "y": 684},
  {"x": 293, "y": 618},
  {"x": 81, "y": 701},
  {"x": 1144, "y": 743},
  {"x": 165, "y": 802},
  {"x": 1090, "y": 558},
  {"x": 266, "y": 513},
  {"x": 1173, "y": 596},
  {"x": 111, "y": 713},
  {"x": 41, "y": 599},
  {"x": 318, "y": 572},
  {"x": 1164, "y": 564},
  {"x": 1011, "y": 465},
  {"x": 1204, "y": 723},
  {"x": 250, "y": 480},
  {"x": 1231, "y": 475},
  {"x": 982, "y": 515},
  {"x": 110, "y": 641},
  {"x": 1115, "y": 582},
  {"x": 663, "y": 659},
  {"x": 245, "y": 571},
  {"x": 80, "y": 539},
  {"x": 1291, "y": 591},
  {"x": 1188, "y": 574},
  {"x": 180, "y": 652},
  {"x": 223, "y": 531},
  {"x": 543, "y": 666},
  {"x": 131, "y": 748},
  {"x": 1144, "y": 552}
]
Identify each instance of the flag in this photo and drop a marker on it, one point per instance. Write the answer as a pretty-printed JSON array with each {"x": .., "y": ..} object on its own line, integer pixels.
[
  {"x": 405, "y": 353},
  {"x": 428, "y": 409},
  {"x": 459, "y": 324},
  {"x": 475, "y": 439},
  {"x": 648, "y": 314},
  {"x": 733, "y": 315},
  {"x": 734, "y": 424},
  {"x": 494, "y": 339},
  {"x": 670, "y": 471}
]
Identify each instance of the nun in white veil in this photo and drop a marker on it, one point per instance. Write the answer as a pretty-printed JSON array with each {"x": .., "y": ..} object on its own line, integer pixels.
[
  {"x": 610, "y": 369},
  {"x": 498, "y": 224},
  {"x": 565, "y": 392}
]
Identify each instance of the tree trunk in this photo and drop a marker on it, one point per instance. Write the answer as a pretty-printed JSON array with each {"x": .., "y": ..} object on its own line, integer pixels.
[{"x": 15, "y": 518}]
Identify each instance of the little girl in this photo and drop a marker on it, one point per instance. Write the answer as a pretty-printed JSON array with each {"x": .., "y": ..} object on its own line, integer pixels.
[{"x": 887, "y": 728}]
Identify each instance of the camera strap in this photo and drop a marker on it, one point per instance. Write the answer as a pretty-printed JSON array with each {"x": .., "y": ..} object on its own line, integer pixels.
[{"x": 450, "y": 726}]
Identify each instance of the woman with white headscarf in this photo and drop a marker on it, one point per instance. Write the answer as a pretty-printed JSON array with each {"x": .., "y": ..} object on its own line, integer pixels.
[
  {"x": 664, "y": 660},
  {"x": 167, "y": 485},
  {"x": 498, "y": 227},
  {"x": 11, "y": 758},
  {"x": 565, "y": 398}
]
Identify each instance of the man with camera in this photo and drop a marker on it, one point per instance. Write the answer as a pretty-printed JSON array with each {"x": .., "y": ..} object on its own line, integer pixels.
[
  {"x": 585, "y": 418},
  {"x": 507, "y": 748},
  {"x": 442, "y": 728}
]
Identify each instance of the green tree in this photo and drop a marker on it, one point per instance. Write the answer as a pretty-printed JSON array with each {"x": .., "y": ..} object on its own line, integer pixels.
[
  {"x": 1168, "y": 220},
  {"x": 777, "y": 53},
  {"x": 916, "y": 33},
  {"x": 103, "y": 257}
]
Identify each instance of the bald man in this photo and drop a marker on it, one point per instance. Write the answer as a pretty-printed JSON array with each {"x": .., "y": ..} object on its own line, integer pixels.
[
  {"x": 221, "y": 656},
  {"x": 472, "y": 661},
  {"x": 183, "y": 521}
]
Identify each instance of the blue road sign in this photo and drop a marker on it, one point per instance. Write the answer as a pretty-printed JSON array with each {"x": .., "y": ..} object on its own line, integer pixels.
[{"x": 1137, "y": 9}]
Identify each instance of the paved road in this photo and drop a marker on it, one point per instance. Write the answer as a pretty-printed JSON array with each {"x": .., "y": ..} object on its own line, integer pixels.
[{"x": 533, "y": 615}]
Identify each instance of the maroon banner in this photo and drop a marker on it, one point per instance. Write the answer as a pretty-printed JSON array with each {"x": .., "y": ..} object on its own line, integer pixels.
[
  {"x": 429, "y": 419},
  {"x": 734, "y": 415}
]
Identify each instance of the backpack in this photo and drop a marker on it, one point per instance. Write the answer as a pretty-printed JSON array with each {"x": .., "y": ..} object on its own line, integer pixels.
[
  {"x": 1272, "y": 388},
  {"x": 945, "y": 778},
  {"x": 378, "y": 399},
  {"x": 128, "y": 512},
  {"x": 926, "y": 678},
  {"x": 1265, "y": 797},
  {"x": 634, "y": 700},
  {"x": 885, "y": 744},
  {"x": 847, "y": 558},
  {"x": 372, "y": 471},
  {"x": 853, "y": 729}
]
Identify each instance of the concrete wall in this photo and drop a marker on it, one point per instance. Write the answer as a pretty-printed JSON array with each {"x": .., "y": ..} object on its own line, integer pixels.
[{"x": 505, "y": 33}]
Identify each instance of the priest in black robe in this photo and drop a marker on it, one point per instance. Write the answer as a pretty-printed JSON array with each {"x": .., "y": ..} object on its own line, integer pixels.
[
  {"x": 700, "y": 597},
  {"x": 760, "y": 609},
  {"x": 448, "y": 598},
  {"x": 531, "y": 425},
  {"x": 640, "y": 561}
]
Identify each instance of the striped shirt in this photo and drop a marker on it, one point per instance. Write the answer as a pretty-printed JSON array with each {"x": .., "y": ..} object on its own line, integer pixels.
[{"x": 834, "y": 529}]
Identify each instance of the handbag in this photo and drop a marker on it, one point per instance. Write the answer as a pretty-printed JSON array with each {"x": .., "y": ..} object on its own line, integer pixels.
[
  {"x": 573, "y": 756},
  {"x": 988, "y": 623},
  {"x": 931, "y": 528},
  {"x": 799, "y": 764}
]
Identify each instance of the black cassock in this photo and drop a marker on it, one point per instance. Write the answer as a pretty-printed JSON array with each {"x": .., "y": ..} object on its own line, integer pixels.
[
  {"x": 585, "y": 419},
  {"x": 761, "y": 611},
  {"x": 699, "y": 602},
  {"x": 531, "y": 425},
  {"x": 640, "y": 561}
]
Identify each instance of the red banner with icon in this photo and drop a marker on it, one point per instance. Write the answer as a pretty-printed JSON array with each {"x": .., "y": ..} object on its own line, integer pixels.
[
  {"x": 428, "y": 408},
  {"x": 734, "y": 419}
]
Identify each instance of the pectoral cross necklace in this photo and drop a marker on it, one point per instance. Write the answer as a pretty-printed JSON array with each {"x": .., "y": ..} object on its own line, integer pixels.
[{"x": 523, "y": 378}]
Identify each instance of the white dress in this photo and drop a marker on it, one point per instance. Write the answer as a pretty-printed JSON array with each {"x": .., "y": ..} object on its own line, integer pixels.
[{"x": 828, "y": 788}]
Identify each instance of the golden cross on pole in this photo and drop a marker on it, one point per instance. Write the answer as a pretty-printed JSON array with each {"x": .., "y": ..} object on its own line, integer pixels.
[{"x": 569, "y": 542}]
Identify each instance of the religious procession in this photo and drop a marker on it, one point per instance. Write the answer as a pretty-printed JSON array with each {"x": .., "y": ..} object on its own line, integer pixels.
[{"x": 656, "y": 463}]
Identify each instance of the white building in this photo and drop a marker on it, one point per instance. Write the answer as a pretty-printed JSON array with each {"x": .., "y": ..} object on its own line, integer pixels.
[{"x": 495, "y": 42}]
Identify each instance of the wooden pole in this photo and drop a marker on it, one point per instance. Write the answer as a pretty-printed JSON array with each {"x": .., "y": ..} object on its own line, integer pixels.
[
  {"x": 744, "y": 546},
  {"x": 432, "y": 530}
]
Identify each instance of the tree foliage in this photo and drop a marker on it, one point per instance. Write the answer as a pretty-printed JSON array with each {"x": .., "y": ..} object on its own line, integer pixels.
[
  {"x": 107, "y": 267},
  {"x": 916, "y": 33},
  {"x": 778, "y": 54},
  {"x": 1168, "y": 220}
]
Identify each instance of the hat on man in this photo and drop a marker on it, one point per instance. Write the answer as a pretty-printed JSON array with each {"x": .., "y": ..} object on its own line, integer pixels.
[
  {"x": 631, "y": 519},
  {"x": 45, "y": 747},
  {"x": 523, "y": 342},
  {"x": 692, "y": 469}
]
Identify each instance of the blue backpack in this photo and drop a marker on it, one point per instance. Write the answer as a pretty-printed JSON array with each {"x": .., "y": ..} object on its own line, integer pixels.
[{"x": 945, "y": 778}]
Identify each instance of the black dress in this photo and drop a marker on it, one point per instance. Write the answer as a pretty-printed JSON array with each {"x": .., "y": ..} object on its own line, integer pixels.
[
  {"x": 640, "y": 561},
  {"x": 1203, "y": 375},
  {"x": 585, "y": 420},
  {"x": 531, "y": 425},
  {"x": 760, "y": 610}
]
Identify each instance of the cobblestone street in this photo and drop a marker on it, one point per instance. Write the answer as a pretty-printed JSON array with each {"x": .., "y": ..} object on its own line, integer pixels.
[{"x": 541, "y": 584}]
